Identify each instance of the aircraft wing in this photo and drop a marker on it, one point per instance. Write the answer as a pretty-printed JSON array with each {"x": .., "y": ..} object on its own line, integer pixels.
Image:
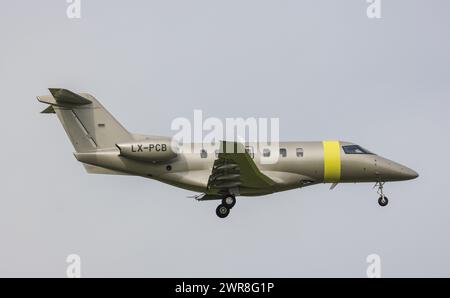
[{"x": 235, "y": 169}]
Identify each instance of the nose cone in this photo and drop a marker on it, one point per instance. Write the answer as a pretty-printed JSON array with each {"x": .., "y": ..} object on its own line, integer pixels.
[
  {"x": 406, "y": 173},
  {"x": 392, "y": 171},
  {"x": 410, "y": 174}
]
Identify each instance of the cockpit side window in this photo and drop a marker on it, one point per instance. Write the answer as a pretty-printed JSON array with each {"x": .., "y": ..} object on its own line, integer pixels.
[{"x": 355, "y": 149}]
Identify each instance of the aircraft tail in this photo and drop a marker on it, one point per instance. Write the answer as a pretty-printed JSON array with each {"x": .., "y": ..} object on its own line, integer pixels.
[{"x": 88, "y": 124}]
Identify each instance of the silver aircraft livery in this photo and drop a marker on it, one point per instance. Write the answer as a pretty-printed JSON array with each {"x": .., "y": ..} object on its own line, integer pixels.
[{"x": 104, "y": 146}]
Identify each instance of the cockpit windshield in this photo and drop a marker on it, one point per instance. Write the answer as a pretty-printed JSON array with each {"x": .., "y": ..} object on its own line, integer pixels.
[{"x": 355, "y": 149}]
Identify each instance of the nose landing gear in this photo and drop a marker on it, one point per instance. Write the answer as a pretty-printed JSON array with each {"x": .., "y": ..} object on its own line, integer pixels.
[
  {"x": 228, "y": 202},
  {"x": 382, "y": 200}
]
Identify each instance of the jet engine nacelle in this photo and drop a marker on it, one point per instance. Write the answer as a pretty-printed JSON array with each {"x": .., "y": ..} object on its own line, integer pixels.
[{"x": 148, "y": 150}]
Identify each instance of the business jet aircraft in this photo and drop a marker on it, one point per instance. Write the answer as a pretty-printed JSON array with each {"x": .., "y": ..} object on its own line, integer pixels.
[{"x": 104, "y": 146}]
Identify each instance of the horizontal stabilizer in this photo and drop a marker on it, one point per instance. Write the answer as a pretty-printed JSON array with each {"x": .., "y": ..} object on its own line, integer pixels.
[{"x": 64, "y": 97}]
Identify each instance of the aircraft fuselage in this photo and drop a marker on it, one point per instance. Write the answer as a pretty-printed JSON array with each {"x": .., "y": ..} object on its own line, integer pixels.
[{"x": 299, "y": 164}]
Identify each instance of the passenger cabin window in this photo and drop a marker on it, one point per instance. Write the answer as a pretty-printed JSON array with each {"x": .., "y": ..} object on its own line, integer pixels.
[
  {"x": 299, "y": 152},
  {"x": 203, "y": 153},
  {"x": 283, "y": 152},
  {"x": 355, "y": 149},
  {"x": 266, "y": 152},
  {"x": 249, "y": 150}
]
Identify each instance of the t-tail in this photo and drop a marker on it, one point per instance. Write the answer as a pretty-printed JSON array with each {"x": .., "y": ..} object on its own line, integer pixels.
[{"x": 89, "y": 126}]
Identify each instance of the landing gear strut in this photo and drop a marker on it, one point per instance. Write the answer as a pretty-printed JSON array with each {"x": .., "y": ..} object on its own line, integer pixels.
[
  {"x": 382, "y": 200},
  {"x": 228, "y": 202}
]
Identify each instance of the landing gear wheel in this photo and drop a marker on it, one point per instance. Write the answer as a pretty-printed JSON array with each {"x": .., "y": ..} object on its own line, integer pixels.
[
  {"x": 229, "y": 201},
  {"x": 222, "y": 211},
  {"x": 383, "y": 201}
]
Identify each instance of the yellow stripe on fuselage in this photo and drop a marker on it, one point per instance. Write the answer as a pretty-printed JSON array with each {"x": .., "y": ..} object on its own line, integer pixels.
[{"x": 332, "y": 161}]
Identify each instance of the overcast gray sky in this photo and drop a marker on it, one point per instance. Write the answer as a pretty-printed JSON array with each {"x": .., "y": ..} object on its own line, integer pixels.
[{"x": 322, "y": 67}]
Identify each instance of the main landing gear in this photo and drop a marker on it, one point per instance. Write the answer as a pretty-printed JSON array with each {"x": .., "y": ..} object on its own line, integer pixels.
[
  {"x": 223, "y": 209},
  {"x": 382, "y": 200}
]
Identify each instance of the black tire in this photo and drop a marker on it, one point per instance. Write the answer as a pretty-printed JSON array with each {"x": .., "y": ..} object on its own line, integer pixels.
[
  {"x": 222, "y": 211},
  {"x": 229, "y": 201},
  {"x": 383, "y": 201}
]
